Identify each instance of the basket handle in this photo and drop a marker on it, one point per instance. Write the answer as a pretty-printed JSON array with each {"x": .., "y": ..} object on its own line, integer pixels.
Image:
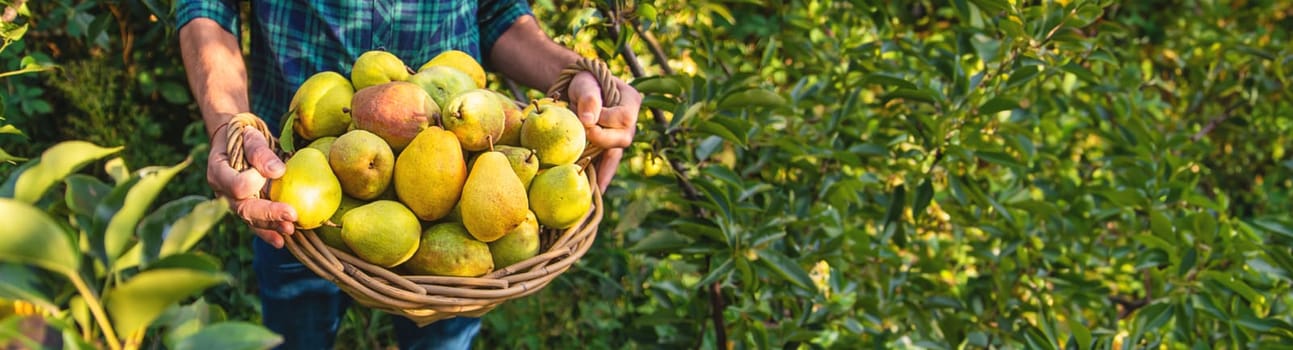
[{"x": 234, "y": 139}]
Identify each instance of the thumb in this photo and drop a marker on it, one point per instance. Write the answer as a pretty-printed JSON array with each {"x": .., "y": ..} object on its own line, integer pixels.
[{"x": 587, "y": 97}]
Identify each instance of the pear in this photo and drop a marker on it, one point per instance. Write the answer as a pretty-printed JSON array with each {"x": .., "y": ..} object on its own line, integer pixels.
[
  {"x": 395, "y": 111},
  {"x": 493, "y": 199},
  {"x": 554, "y": 132},
  {"x": 430, "y": 173},
  {"x": 363, "y": 164},
  {"x": 323, "y": 144},
  {"x": 442, "y": 83},
  {"x": 461, "y": 61},
  {"x": 447, "y": 249},
  {"x": 308, "y": 186},
  {"x": 513, "y": 118},
  {"x": 476, "y": 117},
  {"x": 519, "y": 244},
  {"x": 384, "y": 233},
  {"x": 560, "y": 196},
  {"x": 331, "y": 234},
  {"x": 378, "y": 67},
  {"x": 318, "y": 105},
  {"x": 523, "y": 161}
]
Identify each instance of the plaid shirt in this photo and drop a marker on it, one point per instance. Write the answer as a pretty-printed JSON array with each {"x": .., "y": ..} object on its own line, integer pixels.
[{"x": 292, "y": 40}]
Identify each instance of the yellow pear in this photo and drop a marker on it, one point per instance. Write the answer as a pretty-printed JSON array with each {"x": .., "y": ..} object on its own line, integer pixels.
[
  {"x": 447, "y": 249},
  {"x": 442, "y": 83},
  {"x": 461, "y": 61},
  {"x": 384, "y": 233},
  {"x": 318, "y": 105},
  {"x": 323, "y": 144},
  {"x": 308, "y": 186},
  {"x": 378, "y": 67},
  {"x": 560, "y": 196},
  {"x": 476, "y": 117},
  {"x": 493, "y": 199},
  {"x": 430, "y": 173},
  {"x": 554, "y": 132},
  {"x": 331, "y": 234},
  {"x": 513, "y": 118},
  {"x": 519, "y": 244}
]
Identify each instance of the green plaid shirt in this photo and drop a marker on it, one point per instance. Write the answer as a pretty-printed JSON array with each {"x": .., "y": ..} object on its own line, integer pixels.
[{"x": 292, "y": 40}]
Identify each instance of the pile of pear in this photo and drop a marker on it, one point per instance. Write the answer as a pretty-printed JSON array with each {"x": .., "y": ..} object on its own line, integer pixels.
[{"x": 427, "y": 172}]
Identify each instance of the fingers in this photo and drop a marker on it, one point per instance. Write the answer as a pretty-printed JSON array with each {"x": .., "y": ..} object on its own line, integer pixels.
[
  {"x": 260, "y": 155},
  {"x": 587, "y": 97},
  {"x": 264, "y": 215},
  {"x": 607, "y": 165},
  {"x": 270, "y": 236}
]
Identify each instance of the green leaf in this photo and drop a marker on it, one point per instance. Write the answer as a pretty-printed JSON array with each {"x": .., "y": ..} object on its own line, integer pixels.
[
  {"x": 287, "y": 138},
  {"x": 893, "y": 215},
  {"x": 1233, "y": 284},
  {"x": 913, "y": 95},
  {"x": 718, "y": 273},
  {"x": 21, "y": 282},
  {"x": 664, "y": 240},
  {"x": 232, "y": 335},
  {"x": 189, "y": 230},
  {"x": 1000, "y": 158},
  {"x": 9, "y": 158},
  {"x": 1080, "y": 332},
  {"x": 1160, "y": 224},
  {"x": 121, "y": 227},
  {"x": 659, "y": 85},
  {"x": 888, "y": 80},
  {"x": 751, "y": 98},
  {"x": 32, "y": 237},
  {"x": 154, "y": 227},
  {"x": 997, "y": 104},
  {"x": 1023, "y": 75},
  {"x": 1190, "y": 258},
  {"x": 55, "y": 164},
  {"x": 117, "y": 169},
  {"x": 992, "y": 7},
  {"x": 924, "y": 194},
  {"x": 191, "y": 261},
  {"x": 787, "y": 268},
  {"x": 84, "y": 193},
  {"x": 646, "y": 11},
  {"x": 137, "y": 302}
]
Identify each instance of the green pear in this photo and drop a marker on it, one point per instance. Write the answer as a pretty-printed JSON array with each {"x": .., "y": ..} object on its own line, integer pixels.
[
  {"x": 378, "y": 67},
  {"x": 430, "y": 173},
  {"x": 447, "y": 249},
  {"x": 519, "y": 244},
  {"x": 323, "y": 144},
  {"x": 318, "y": 105},
  {"x": 363, "y": 163},
  {"x": 442, "y": 83},
  {"x": 395, "y": 111},
  {"x": 476, "y": 118},
  {"x": 560, "y": 196},
  {"x": 308, "y": 186},
  {"x": 384, "y": 233},
  {"x": 493, "y": 199},
  {"x": 331, "y": 234},
  {"x": 523, "y": 161},
  {"x": 554, "y": 132}
]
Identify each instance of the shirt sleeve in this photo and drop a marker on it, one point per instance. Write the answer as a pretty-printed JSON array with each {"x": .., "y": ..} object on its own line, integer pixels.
[
  {"x": 494, "y": 17},
  {"x": 223, "y": 12}
]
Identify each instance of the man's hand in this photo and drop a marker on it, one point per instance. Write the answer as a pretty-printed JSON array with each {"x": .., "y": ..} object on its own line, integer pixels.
[
  {"x": 267, "y": 219},
  {"x": 612, "y": 128}
]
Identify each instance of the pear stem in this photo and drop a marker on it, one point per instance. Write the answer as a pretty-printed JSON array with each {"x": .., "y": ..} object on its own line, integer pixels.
[
  {"x": 490, "y": 140},
  {"x": 329, "y": 223}
]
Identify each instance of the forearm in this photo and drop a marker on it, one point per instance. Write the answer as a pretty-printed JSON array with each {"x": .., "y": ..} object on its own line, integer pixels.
[
  {"x": 216, "y": 71},
  {"x": 525, "y": 54}
]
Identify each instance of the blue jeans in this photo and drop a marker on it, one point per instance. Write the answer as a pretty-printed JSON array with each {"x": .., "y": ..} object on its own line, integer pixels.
[{"x": 306, "y": 309}]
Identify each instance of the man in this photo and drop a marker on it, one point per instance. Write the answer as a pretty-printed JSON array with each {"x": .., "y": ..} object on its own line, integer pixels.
[{"x": 291, "y": 40}]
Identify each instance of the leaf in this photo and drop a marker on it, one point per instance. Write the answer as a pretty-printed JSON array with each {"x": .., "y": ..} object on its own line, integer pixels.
[
  {"x": 1160, "y": 224},
  {"x": 189, "y": 230},
  {"x": 20, "y": 282},
  {"x": 121, "y": 227},
  {"x": 117, "y": 169},
  {"x": 892, "y": 216},
  {"x": 1274, "y": 226},
  {"x": 724, "y": 268},
  {"x": 1080, "y": 332},
  {"x": 1000, "y": 158},
  {"x": 84, "y": 192},
  {"x": 787, "y": 268},
  {"x": 55, "y": 164},
  {"x": 137, "y": 302},
  {"x": 992, "y": 7},
  {"x": 997, "y": 104},
  {"x": 232, "y": 335},
  {"x": 913, "y": 95},
  {"x": 175, "y": 93},
  {"x": 888, "y": 80},
  {"x": 32, "y": 237},
  {"x": 664, "y": 240},
  {"x": 1023, "y": 75},
  {"x": 191, "y": 261},
  {"x": 9, "y": 158},
  {"x": 659, "y": 85},
  {"x": 287, "y": 138},
  {"x": 924, "y": 194},
  {"x": 751, "y": 98},
  {"x": 154, "y": 227}
]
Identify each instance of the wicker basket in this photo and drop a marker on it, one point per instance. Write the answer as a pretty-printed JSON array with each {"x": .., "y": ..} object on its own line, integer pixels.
[{"x": 426, "y": 299}]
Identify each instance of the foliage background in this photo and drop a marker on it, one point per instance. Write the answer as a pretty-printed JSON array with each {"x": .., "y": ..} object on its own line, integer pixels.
[{"x": 934, "y": 174}]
